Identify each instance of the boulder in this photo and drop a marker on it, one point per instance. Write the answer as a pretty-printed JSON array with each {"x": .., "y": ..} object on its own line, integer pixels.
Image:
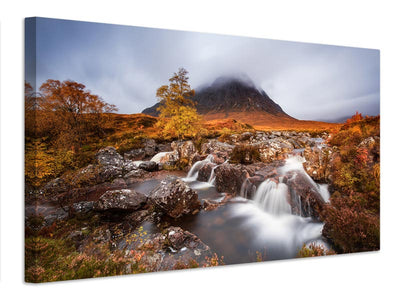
[
  {"x": 149, "y": 166},
  {"x": 174, "y": 198},
  {"x": 170, "y": 158},
  {"x": 229, "y": 178},
  {"x": 274, "y": 149},
  {"x": 109, "y": 157},
  {"x": 205, "y": 172},
  {"x": 135, "y": 154},
  {"x": 149, "y": 147},
  {"x": 179, "y": 238},
  {"x": 305, "y": 195},
  {"x": 120, "y": 200},
  {"x": 138, "y": 173},
  {"x": 186, "y": 150},
  {"x": 213, "y": 146}
]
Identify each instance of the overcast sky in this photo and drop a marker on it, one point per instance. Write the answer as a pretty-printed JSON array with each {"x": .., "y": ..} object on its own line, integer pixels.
[{"x": 125, "y": 65}]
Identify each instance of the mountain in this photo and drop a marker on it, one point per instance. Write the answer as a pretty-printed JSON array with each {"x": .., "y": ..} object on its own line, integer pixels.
[{"x": 238, "y": 98}]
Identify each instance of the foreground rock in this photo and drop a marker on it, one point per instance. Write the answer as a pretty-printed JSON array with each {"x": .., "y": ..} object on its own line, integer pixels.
[
  {"x": 174, "y": 248},
  {"x": 305, "y": 198},
  {"x": 120, "y": 200},
  {"x": 229, "y": 178},
  {"x": 174, "y": 198}
]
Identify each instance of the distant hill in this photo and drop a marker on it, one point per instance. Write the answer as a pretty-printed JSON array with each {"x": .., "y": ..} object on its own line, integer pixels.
[{"x": 240, "y": 99}]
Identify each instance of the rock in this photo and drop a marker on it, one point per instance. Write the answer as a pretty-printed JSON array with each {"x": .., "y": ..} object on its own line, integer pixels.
[
  {"x": 274, "y": 149},
  {"x": 170, "y": 158},
  {"x": 109, "y": 157},
  {"x": 312, "y": 203},
  {"x": 174, "y": 198},
  {"x": 149, "y": 147},
  {"x": 174, "y": 248},
  {"x": 186, "y": 150},
  {"x": 214, "y": 146},
  {"x": 138, "y": 173},
  {"x": 205, "y": 172},
  {"x": 317, "y": 163},
  {"x": 83, "y": 207},
  {"x": 149, "y": 166},
  {"x": 368, "y": 142},
  {"x": 121, "y": 200},
  {"x": 229, "y": 178},
  {"x": 135, "y": 154},
  {"x": 209, "y": 205},
  {"x": 136, "y": 218},
  {"x": 179, "y": 238},
  {"x": 245, "y": 136}
]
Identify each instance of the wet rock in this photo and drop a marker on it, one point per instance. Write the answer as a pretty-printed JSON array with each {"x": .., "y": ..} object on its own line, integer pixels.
[
  {"x": 209, "y": 205},
  {"x": 138, "y": 173},
  {"x": 120, "y": 200},
  {"x": 149, "y": 166},
  {"x": 205, "y": 172},
  {"x": 174, "y": 198},
  {"x": 179, "y": 238},
  {"x": 83, "y": 207},
  {"x": 174, "y": 248},
  {"x": 305, "y": 192},
  {"x": 229, "y": 178},
  {"x": 136, "y": 218}
]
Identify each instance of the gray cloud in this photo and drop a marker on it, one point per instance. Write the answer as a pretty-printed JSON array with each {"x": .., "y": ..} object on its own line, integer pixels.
[{"x": 125, "y": 65}]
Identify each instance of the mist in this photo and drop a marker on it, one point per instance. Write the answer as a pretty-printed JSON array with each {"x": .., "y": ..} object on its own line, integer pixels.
[{"x": 125, "y": 65}]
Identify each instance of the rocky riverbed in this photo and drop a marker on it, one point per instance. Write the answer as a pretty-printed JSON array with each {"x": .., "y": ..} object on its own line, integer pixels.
[{"x": 250, "y": 194}]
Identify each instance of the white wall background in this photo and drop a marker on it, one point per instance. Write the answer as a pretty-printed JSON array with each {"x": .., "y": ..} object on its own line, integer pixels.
[{"x": 370, "y": 24}]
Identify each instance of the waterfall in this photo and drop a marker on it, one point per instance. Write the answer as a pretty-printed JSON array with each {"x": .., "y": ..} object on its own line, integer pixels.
[
  {"x": 295, "y": 163},
  {"x": 323, "y": 190},
  {"x": 272, "y": 197},
  {"x": 211, "y": 180},
  {"x": 194, "y": 170}
]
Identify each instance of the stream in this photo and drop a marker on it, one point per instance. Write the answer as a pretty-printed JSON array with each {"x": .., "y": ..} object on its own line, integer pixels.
[{"x": 243, "y": 228}]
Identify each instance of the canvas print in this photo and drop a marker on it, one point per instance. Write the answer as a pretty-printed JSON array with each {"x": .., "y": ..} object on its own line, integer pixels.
[{"x": 152, "y": 150}]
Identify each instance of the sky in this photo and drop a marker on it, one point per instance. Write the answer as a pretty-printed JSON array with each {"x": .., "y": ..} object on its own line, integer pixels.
[{"x": 126, "y": 64}]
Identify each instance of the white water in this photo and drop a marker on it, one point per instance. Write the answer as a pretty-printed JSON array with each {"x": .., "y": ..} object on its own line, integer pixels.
[
  {"x": 272, "y": 198},
  {"x": 323, "y": 190},
  {"x": 211, "y": 180},
  {"x": 269, "y": 216},
  {"x": 194, "y": 170}
]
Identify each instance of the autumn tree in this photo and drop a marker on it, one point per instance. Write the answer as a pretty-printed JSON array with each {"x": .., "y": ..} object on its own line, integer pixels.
[
  {"x": 178, "y": 114},
  {"x": 75, "y": 111}
]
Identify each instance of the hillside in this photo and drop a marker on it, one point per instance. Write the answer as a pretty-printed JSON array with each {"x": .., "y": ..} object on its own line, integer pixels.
[{"x": 241, "y": 100}]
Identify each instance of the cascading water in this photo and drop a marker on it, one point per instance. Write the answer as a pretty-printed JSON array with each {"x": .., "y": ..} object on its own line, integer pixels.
[
  {"x": 279, "y": 228},
  {"x": 272, "y": 198},
  {"x": 323, "y": 190},
  {"x": 211, "y": 180},
  {"x": 194, "y": 170}
]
